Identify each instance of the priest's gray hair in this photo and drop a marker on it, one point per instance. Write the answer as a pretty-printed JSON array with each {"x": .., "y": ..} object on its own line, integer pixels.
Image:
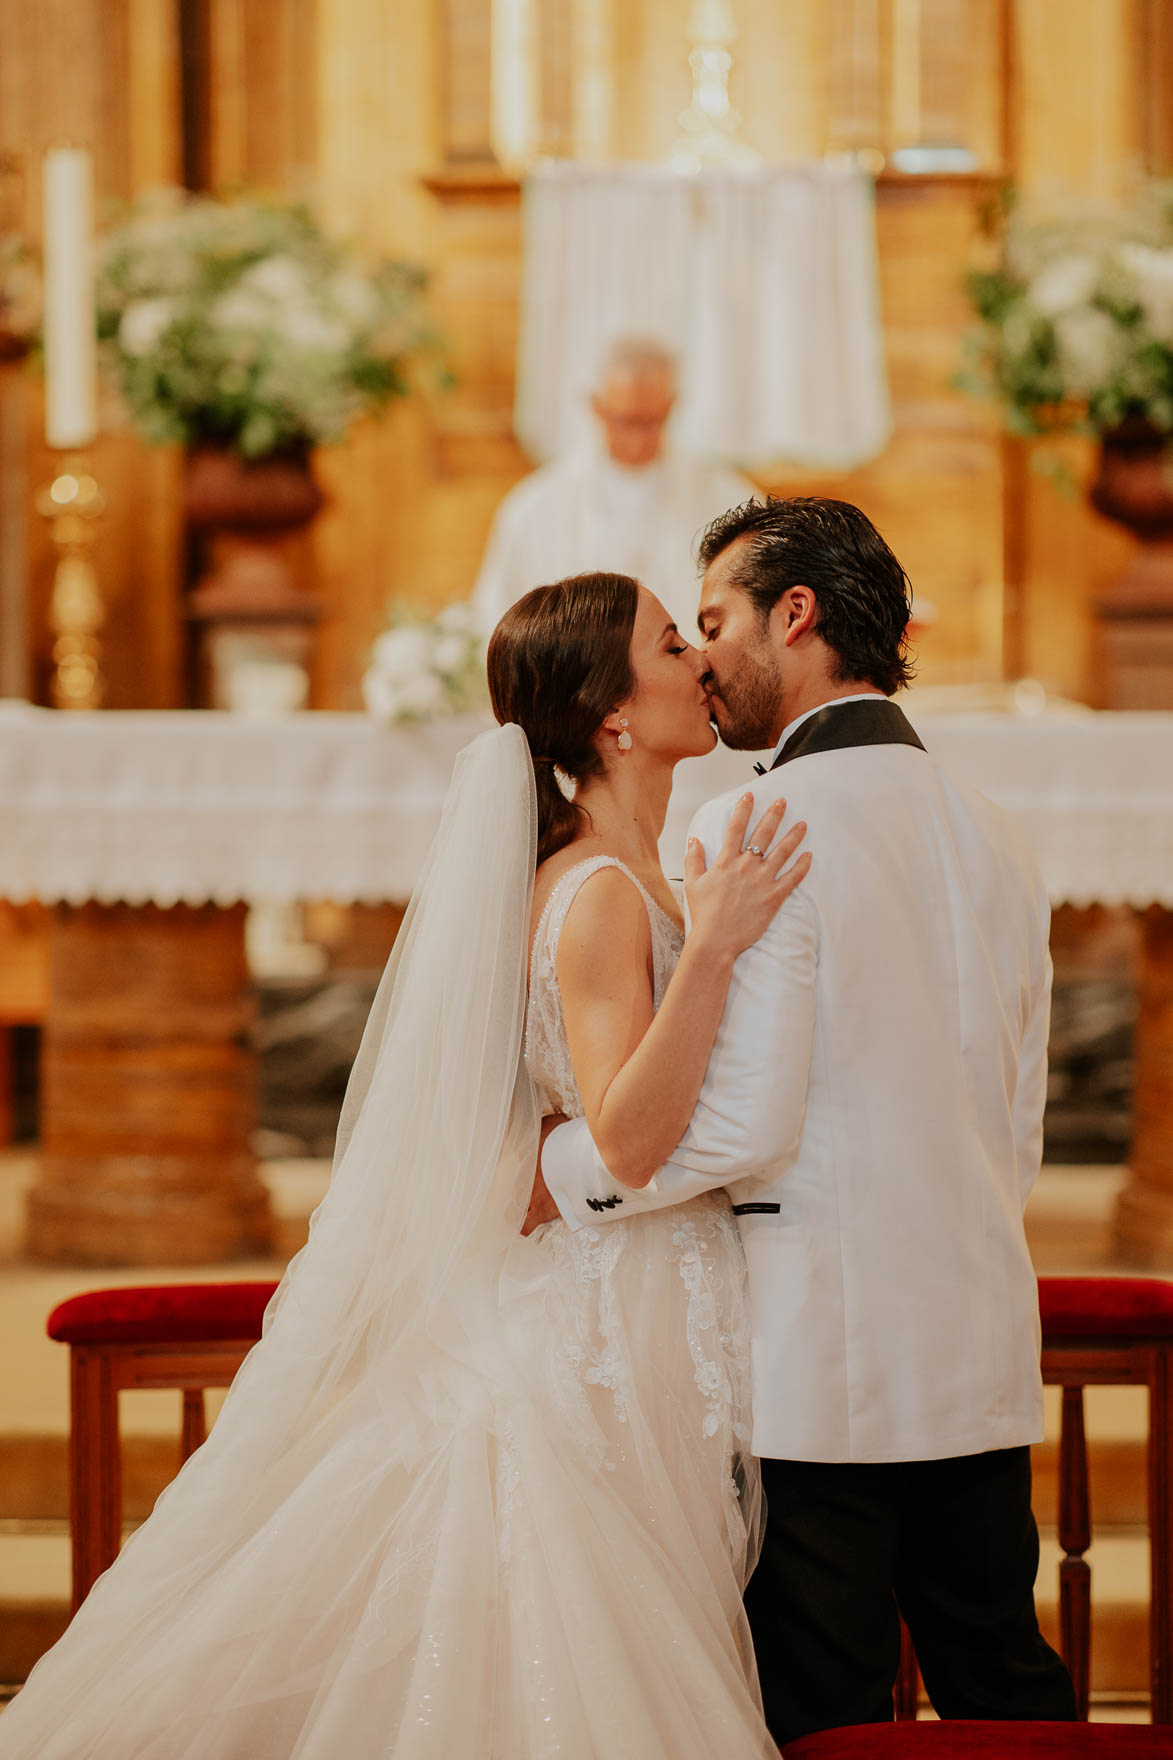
[{"x": 639, "y": 356}]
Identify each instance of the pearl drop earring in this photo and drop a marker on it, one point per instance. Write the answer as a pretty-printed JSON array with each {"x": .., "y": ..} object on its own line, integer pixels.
[{"x": 624, "y": 740}]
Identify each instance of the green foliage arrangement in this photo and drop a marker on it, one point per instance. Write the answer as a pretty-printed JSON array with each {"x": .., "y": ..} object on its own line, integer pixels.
[
  {"x": 1076, "y": 319},
  {"x": 239, "y": 323}
]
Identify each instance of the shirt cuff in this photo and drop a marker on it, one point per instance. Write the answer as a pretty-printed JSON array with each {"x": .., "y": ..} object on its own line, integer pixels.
[
  {"x": 560, "y": 1155},
  {"x": 573, "y": 1169}
]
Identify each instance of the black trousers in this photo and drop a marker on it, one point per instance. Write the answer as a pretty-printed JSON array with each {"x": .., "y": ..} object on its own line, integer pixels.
[{"x": 951, "y": 1544}]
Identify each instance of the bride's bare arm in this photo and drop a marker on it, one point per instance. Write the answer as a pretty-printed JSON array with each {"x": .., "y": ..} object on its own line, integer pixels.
[{"x": 640, "y": 1073}]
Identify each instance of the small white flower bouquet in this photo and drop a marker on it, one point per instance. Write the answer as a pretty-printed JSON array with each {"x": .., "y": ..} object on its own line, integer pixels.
[{"x": 424, "y": 668}]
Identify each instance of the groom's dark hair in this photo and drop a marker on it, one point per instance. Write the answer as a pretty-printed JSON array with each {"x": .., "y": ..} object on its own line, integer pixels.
[{"x": 861, "y": 592}]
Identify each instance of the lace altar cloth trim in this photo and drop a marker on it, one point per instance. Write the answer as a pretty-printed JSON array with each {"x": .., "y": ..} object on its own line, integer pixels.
[
  {"x": 211, "y": 808},
  {"x": 207, "y": 807}
]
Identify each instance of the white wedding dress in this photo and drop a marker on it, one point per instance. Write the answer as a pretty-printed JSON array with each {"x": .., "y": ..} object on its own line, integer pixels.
[{"x": 511, "y": 1523}]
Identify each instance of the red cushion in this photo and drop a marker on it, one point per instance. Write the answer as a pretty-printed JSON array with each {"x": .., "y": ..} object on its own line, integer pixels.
[
  {"x": 1105, "y": 1307},
  {"x": 982, "y": 1741},
  {"x": 162, "y": 1313}
]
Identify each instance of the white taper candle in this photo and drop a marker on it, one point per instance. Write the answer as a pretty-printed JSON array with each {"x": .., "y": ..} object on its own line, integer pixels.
[{"x": 70, "y": 354}]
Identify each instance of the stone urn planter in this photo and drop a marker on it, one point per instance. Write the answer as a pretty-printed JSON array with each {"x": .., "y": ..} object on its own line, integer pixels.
[
  {"x": 256, "y": 618},
  {"x": 1134, "y": 487}
]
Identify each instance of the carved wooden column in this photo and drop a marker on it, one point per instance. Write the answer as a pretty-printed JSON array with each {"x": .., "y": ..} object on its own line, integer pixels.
[
  {"x": 148, "y": 1091},
  {"x": 1144, "y": 1217}
]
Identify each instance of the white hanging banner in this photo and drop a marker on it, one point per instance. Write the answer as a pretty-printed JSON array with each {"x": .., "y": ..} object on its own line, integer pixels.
[{"x": 765, "y": 283}]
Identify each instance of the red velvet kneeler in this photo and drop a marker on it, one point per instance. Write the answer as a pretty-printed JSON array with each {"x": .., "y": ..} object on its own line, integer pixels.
[{"x": 985, "y": 1741}]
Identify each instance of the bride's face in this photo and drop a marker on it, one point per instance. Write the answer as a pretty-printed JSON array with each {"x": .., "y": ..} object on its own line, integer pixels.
[{"x": 669, "y": 712}]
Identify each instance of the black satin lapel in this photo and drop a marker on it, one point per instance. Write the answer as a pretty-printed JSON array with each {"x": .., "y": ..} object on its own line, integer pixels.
[{"x": 873, "y": 722}]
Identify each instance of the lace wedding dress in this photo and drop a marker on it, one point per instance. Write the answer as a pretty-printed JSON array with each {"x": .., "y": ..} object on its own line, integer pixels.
[{"x": 472, "y": 1495}]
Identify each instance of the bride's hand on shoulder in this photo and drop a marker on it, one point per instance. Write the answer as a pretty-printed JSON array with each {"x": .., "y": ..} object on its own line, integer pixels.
[{"x": 734, "y": 902}]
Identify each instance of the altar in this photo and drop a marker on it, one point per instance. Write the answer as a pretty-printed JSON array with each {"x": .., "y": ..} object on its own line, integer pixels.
[{"x": 151, "y": 834}]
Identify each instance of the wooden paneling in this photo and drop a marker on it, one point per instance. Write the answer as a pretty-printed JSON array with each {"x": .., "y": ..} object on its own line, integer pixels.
[
  {"x": 379, "y": 134},
  {"x": 556, "y": 50},
  {"x": 1154, "y": 81},
  {"x": 1076, "y": 123},
  {"x": 910, "y": 73},
  {"x": 780, "y": 81},
  {"x": 261, "y": 90},
  {"x": 465, "y": 82},
  {"x": 1070, "y": 554}
]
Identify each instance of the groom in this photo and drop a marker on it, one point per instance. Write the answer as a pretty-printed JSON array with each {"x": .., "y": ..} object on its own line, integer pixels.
[{"x": 874, "y": 1103}]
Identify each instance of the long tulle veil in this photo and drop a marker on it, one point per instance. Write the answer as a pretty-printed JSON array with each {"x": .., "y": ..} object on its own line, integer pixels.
[{"x": 432, "y": 1170}]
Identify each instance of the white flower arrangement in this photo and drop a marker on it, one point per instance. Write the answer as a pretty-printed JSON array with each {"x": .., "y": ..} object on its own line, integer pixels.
[
  {"x": 1077, "y": 320},
  {"x": 239, "y": 323},
  {"x": 424, "y": 668}
]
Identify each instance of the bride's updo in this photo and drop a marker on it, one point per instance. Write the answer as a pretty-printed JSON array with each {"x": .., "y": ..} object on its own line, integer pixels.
[{"x": 559, "y": 662}]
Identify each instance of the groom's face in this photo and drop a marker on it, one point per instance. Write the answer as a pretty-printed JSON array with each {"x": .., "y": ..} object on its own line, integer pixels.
[{"x": 744, "y": 682}]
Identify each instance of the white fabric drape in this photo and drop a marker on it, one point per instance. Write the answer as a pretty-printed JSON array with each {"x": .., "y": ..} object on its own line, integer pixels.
[{"x": 764, "y": 282}]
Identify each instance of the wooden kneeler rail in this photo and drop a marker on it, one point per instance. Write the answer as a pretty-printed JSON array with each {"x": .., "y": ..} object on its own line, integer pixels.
[
  {"x": 187, "y": 1337},
  {"x": 1096, "y": 1332},
  {"x": 1103, "y": 1332}
]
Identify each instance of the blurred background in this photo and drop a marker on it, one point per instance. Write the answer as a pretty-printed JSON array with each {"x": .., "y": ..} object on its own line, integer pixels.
[{"x": 329, "y": 326}]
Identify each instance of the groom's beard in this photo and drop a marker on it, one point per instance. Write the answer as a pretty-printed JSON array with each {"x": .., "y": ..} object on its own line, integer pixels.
[{"x": 745, "y": 704}]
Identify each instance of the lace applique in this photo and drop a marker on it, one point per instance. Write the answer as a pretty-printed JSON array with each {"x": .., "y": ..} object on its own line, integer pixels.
[
  {"x": 605, "y": 1365},
  {"x": 720, "y": 1358}
]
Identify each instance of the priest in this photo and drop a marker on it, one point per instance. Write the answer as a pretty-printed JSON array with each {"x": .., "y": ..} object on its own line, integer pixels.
[{"x": 626, "y": 501}]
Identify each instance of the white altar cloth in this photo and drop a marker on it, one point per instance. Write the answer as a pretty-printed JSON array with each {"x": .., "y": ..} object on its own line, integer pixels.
[{"x": 205, "y": 807}]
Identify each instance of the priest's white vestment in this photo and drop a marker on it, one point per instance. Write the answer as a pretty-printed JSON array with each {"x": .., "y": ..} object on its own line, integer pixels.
[{"x": 583, "y": 513}]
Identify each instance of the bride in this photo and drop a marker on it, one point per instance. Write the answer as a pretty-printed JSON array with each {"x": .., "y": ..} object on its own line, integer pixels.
[{"x": 474, "y": 1494}]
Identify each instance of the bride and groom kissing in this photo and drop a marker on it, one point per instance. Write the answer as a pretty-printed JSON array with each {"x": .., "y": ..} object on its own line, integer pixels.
[{"x": 491, "y": 1482}]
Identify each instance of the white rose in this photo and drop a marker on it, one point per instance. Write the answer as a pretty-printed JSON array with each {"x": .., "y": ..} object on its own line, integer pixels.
[
  {"x": 402, "y": 653},
  {"x": 381, "y": 695},
  {"x": 142, "y": 324},
  {"x": 354, "y": 296},
  {"x": 1150, "y": 273},
  {"x": 451, "y": 653},
  {"x": 460, "y": 618},
  {"x": 421, "y": 695},
  {"x": 306, "y": 327},
  {"x": 241, "y": 308},
  {"x": 1091, "y": 346},
  {"x": 1067, "y": 282},
  {"x": 280, "y": 278}
]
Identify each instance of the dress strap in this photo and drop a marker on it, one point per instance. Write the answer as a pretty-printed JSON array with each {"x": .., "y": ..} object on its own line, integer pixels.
[{"x": 563, "y": 894}]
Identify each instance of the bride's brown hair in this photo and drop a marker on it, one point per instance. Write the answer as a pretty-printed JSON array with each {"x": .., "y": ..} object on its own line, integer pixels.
[{"x": 559, "y": 662}]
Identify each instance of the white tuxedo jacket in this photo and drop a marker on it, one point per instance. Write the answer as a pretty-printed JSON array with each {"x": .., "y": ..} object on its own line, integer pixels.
[{"x": 874, "y": 1103}]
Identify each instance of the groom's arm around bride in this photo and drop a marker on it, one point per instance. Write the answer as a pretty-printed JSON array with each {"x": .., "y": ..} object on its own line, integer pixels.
[{"x": 874, "y": 1103}]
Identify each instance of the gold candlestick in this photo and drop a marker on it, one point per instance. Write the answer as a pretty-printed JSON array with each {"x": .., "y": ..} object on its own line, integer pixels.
[{"x": 73, "y": 504}]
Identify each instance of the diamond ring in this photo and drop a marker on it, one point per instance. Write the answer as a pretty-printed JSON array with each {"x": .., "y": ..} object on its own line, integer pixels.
[{"x": 754, "y": 850}]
